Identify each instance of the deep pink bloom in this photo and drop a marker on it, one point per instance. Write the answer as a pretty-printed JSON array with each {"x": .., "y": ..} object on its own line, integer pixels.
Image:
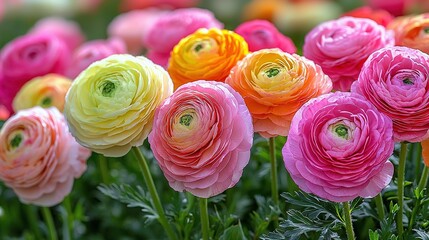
[
  {"x": 379, "y": 16},
  {"x": 396, "y": 81},
  {"x": 201, "y": 138},
  {"x": 39, "y": 158},
  {"x": 132, "y": 26},
  {"x": 92, "y": 51},
  {"x": 27, "y": 57},
  {"x": 261, "y": 34},
  {"x": 341, "y": 47},
  {"x": 395, "y": 7},
  {"x": 170, "y": 28},
  {"x": 339, "y": 146},
  {"x": 141, "y": 4},
  {"x": 68, "y": 31},
  {"x": 159, "y": 58}
]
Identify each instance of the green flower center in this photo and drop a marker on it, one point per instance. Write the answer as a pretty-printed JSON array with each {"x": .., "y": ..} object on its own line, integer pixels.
[
  {"x": 426, "y": 30},
  {"x": 47, "y": 102},
  {"x": 408, "y": 81},
  {"x": 16, "y": 141},
  {"x": 108, "y": 88},
  {"x": 272, "y": 72},
  {"x": 198, "y": 47},
  {"x": 186, "y": 120},
  {"x": 342, "y": 131}
]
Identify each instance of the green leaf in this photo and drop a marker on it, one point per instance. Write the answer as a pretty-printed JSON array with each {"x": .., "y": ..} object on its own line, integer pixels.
[
  {"x": 421, "y": 234},
  {"x": 233, "y": 232}
]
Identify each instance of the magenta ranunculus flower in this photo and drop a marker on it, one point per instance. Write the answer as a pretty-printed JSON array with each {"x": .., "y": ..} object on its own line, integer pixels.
[
  {"x": 396, "y": 81},
  {"x": 261, "y": 34},
  {"x": 39, "y": 158},
  {"x": 201, "y": 138},
  {"x": 27, "y": 57},
  {"x": 68, "y": 31},
  {"x": 92, "y": 51},
  {"x": 341, "y": 47},
  {"x": 170, "y": 28},
  {"x": 339, "y": 146}
]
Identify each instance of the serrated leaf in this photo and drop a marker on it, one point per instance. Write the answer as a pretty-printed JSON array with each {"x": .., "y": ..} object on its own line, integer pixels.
[{"x": 313, "y": 206}]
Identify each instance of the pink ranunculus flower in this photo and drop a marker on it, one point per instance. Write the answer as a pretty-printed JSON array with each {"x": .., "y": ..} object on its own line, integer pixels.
[
  {"x": 159, "y": 58},
  {"x": 132, "y": 26},
  {"x": 395, "y": 7},
  {"x": 68, "y": 31},
  {"x": 92, "y": 51},
  {"x": 201, "y": 138},
  {"x": 396, "y": 81},
  {"x": 170, "y": 28},
  {"x": 39, "y": 158},
  {"x": 27, "y": 57},
  {"x": 339, "y": 146},
  {"x": 141, "y": 4},
  {"x": 261, "y": 34},
  {"x": 341, "y": 47},
  {"x": 380, "y": 16}
]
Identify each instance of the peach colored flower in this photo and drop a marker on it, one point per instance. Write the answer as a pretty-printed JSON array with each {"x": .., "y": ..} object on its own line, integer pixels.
[
  {"x": 206, "y": 54},
  {"x": 412, "y": 31},
  {"x": 274, "y": 85},
  {"x": 425, "y": 152},
  {"x": 39, "y": 158},
  {"x": 46, "y": 91}
]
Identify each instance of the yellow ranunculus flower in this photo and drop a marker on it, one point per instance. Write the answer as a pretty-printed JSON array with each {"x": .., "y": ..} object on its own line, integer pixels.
[
  {"x": 46, "y": 91},
  {"x": 207, "y": 54},
  {"x": 110, "y": 105}
]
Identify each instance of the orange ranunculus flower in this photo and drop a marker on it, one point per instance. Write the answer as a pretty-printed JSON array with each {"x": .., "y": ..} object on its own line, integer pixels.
[
  {"x": 425, "y": 151},
  {"x": 207, "y": 54},
  {"x": 46, "y": 91},
  {"x": 274, "y": 85},
  {"x": 412, "y": 31}
]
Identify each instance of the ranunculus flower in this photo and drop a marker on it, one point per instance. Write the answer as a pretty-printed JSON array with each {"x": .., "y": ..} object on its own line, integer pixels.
[
  {"x": 395, "y": 7},
  {"x": 39, "y": 158},
  {"x": 93, "y": 51},
  {"x": 425, "y": 152},
  {"x": 202, "y": 137},
  {"x": 341, "y": 47},
  {"x": 159, "y": 58},
  {"x": 412, "y": 31},
  {"x": 379, "y": 16},
  {"x": 396, "y": 81},
  {"x": 261, "y": 34},
  {"x": 262, "y": 9},
  {"x": 170, "y": 28},
  {"x": 68, "y": 31},
  {"x": 4, "y": 113},
  {"x": 132, "y": 26},
  {"x": 141, "y": 4},
  {"x": 274, "y": 85},
  {"x": 27, "y": 57},
  {"x": 46, "y": 91},
  {"x": 206, "y": 54},
  {"x": 339, "y": 146},
  {"x": 110, "y": 105}
]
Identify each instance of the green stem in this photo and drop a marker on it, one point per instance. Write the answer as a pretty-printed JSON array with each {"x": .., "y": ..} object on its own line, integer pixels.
[
  {"x": 70, "y": 218},
  {"x": 103, "y": 168},
  {"x": 204, "y": 214},
  {"x": 424, "y": 179},
  {"x": 50, "y": 223},
  {"x": 32, "y": 218},
  {"x": 348, "y": 221},
  {"x": 380, "y": 206},
  {"x": 401, "y": 179},
  {"x": 152, "y": 190},
  {"x": 273, "y": 160}
]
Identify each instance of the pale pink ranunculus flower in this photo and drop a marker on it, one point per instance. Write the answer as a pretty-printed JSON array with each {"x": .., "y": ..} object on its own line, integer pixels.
[
  {"x": 27, "y": 57},
  {"x": 39, "y": 158},
  {"x": 92, "y": 51},
  {"x": 201, "y": 138},
  {"x": 339, "y": 146},
  {"x": 170, "y": 28},
  {"x": 67, "y": 30},
  {"x": 261, "y": 34},
  {"x": 396, "y": 81},
  {"x": 341, "y": 47},
  {"x": 132, "y": 26}
]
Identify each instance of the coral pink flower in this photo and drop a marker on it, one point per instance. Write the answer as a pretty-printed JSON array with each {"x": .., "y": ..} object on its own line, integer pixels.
[
  {"x": 4, "y": 113},
  {"x": 395, "y": 7},
  {"x": 67, "y": 31},
  {"x": 341, "y": 47},
  {"x": 93, "y": 51},
  {"x": 39, "y": 159},
  {"x": 379, "y": 16},
  {"x": 132, "y": 26},
  {"x": 27, "y": 57},
  {"x": 396, "y": 81},
  {"x": 261, "y": 34},
  {"x": 170, "y": 28},
  {"x": 201, "y": 138},
  {"x": 339, "y": 146},
  {"x": 140, "y": 4}
]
